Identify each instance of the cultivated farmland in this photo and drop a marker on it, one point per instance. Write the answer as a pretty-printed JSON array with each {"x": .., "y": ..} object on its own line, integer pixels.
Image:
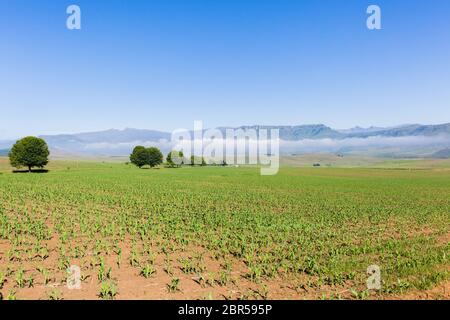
[{"x": 223, "y": 232}]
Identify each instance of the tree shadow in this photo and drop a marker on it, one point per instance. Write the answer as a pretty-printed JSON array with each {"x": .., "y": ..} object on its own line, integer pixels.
[{"x": 32, "y": 171}]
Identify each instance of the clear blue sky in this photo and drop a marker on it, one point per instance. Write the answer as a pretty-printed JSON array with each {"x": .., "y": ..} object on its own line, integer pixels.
[{"x": 162, "y": 64}]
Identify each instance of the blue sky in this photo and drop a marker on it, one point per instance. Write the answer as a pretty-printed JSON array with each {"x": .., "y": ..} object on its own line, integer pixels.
[{"x": 161, "y": 64}]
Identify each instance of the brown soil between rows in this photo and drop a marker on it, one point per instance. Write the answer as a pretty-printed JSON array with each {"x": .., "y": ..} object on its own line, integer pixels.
[{"x": 132, "y": 285}]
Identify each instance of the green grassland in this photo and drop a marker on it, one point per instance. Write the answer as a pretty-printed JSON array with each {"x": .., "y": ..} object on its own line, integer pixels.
[
  {"x": 358, "y": 161},
  {"x": 312, "y": 231}
]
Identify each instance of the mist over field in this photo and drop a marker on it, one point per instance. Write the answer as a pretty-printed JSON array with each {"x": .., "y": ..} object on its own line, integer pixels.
[
  {"x": 290, "y": 147},
  {"x": 364, "y": 144}
]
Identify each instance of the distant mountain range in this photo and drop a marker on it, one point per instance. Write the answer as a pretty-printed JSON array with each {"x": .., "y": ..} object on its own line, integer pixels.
[
  {"x": 442, "y": 154},
  {"x": 408, "y": 140},
  {"x": 109, "y": 136},
  {"x": 320, "y": 131}
]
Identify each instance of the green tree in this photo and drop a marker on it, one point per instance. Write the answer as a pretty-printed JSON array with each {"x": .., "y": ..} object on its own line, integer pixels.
[
  {"x": 192, "y": 161},
  {"x": 29, "y": 152},
  {"x": 169, "y": 160},
  {"x": 181, "y": 157},
  {"x": 175, "y": 158},
  {"x": 142, "y": 156},
  {"x": 139, "y": 156},
  {"x": 155, "y": 157}
]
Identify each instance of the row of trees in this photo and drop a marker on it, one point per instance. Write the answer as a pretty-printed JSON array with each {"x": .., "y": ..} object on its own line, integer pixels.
[
  {"x": 33, "y": 152},
  {"x": 142, "y": 156}
]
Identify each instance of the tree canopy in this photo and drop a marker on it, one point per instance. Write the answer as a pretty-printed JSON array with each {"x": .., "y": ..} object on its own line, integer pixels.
[
  {"x": 175, "y": 158},
  {"x": 139, "y": 156},
  {"x": 29, "y": 152},
  {"x": 155, "y": 157},
  {"x": 142, "y": 156}
]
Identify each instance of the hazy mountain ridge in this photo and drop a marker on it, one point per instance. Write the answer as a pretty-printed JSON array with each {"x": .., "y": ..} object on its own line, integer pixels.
[
  {"x": 292, "y": 133},
  {"x": 411, "y": 140},
  {"x": 407, "y": 130},
  {"x": 109, "y": 136},
  {"x": 320, "y": 131},
  {"x": 442, "y": 154}
]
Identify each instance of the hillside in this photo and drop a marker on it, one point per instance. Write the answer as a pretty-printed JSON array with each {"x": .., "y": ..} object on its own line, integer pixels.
[{"x": 402, "y": 141}]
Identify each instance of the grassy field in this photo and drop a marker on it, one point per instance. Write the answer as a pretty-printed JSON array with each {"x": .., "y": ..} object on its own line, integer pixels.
[
  {"x": 354, "y": 161},
  {"x": 224, "y": 232}
]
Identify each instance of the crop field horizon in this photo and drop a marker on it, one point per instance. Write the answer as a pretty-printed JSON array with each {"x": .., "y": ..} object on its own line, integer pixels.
[{"x": 225, "y": 232}]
